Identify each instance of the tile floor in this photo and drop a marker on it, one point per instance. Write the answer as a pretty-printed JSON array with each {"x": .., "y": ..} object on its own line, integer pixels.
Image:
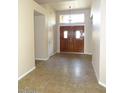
[{"x": 62, "y": 73}]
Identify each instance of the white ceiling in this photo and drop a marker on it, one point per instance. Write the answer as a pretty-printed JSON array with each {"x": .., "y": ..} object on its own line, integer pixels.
[{"x": 59, "y": 5}]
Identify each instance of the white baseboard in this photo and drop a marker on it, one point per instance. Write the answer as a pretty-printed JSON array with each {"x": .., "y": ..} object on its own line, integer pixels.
[
  {"x": 53, "y": 54},
  {"x": 98, "y": 77},
  {"x": 88, "y": 53},
  {"x": 76, "y": 53},
  {"x": 26, "y": 73},
  {"x": 45, "y": 58},
  {"x": 42, "y": 58},
  {"x": 95, "y": 72},
  {"x": 102, "y": 84}
]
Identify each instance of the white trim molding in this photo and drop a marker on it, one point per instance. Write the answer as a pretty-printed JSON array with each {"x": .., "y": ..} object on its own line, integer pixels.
[
  {"x": 76, "y": 53},
  {"x": 88, "y": 53},
  {"x": 99, "y": 82},
  {"x": 46, "y": 58},
  {"x": 95, "y": 72},
  {"x": 42, "y": 58},
  {"x": 102, "y": 84},
  {"x": 26, "y": 73},
  {"x": 53, "y": 54}
]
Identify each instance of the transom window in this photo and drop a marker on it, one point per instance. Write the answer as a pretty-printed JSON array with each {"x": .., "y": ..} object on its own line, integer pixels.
[{"x": 73, "y": 18}]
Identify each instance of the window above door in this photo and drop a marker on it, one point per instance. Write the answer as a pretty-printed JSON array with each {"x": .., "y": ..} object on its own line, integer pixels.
[{"x": 72, "y": 18}]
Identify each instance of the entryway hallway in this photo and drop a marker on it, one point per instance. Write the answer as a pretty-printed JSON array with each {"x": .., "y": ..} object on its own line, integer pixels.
[{"x": 62, "y": 73}]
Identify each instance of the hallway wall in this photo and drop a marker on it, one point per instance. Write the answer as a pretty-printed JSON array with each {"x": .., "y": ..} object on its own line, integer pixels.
[
  {"x": 98, "y": 40},
  {"x": 26, "y": 61},
  {"x": 96, "y": 35},
  {"x": 26, "y": 37},
  {"x": 102, "y": 77}
]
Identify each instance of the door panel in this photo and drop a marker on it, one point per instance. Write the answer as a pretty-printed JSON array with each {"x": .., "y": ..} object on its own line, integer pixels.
[
  {"x": 71, "y": 39},
  {"x": 79, "y": 40}
]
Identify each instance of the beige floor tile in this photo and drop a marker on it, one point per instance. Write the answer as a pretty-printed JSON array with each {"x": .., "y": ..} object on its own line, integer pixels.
[{"x": 62, "y": 73}]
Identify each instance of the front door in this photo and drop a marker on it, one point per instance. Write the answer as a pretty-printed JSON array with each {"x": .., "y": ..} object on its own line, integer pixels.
[{"x": 72, "y": 38}]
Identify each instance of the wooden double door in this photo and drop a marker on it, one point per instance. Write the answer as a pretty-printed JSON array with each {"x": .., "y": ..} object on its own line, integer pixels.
[{"x": 72, "y": 38}]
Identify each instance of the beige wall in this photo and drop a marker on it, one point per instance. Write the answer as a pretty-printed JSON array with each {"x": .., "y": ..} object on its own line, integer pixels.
[
  {"x": 88, "y": 33},
  {"x": 96, "y": 35},
  {"x": 98, "y": 40},
  {"x": 102, "y": 77},
  {"x": 26, "y": 35}
]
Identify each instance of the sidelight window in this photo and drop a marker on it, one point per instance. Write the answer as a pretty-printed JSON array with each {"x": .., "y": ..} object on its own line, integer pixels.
[
  {"x": 65, "y": 34},
  {"x": 78, "y": 34}
]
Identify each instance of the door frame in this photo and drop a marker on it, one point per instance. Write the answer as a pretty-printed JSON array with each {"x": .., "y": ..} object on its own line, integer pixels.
[{"x": 58, "y": 34}]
